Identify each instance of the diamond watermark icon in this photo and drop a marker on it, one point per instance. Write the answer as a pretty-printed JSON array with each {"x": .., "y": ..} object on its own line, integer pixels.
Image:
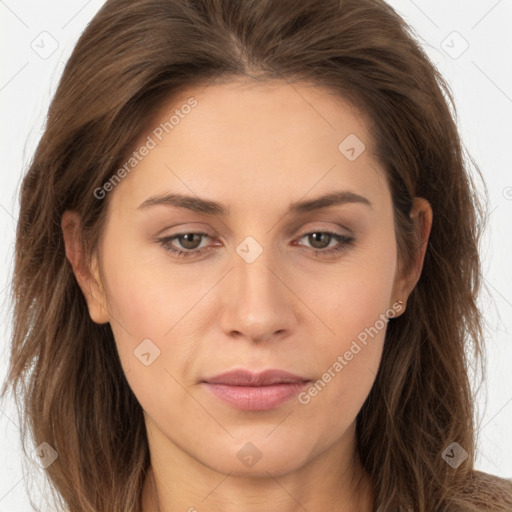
[
  {"x": 45, "y": 455},
  {"x": 249, "y": 454},
  {"x": 455, "y": 455},
  {"x": 249, "y": 249},
  {"x": 454, "y": 45},
  {"x": 352, "y": 147},
  {"x": 507, "y": 193},
  {"x": 45, "y": 45},
  {"x": 146, "y": 352}
]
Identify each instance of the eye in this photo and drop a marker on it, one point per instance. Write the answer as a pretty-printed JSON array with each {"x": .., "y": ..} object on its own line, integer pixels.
[
  {"x": 320, "y": 241},
  {"x": 190, "y": 243}
]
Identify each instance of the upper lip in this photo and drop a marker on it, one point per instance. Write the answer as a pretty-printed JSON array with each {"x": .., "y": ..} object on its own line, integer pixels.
[{"x": 247, "y": 378}]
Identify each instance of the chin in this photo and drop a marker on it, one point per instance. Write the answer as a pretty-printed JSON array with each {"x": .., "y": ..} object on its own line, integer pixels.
[{"x": 257, "y": 457}]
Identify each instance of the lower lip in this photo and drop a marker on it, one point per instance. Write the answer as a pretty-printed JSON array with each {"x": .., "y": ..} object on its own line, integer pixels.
[{"x": 256, "y": 398}]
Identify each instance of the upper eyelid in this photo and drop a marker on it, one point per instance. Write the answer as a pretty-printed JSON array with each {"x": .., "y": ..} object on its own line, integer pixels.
[
  {"x": 314, "y": 229},
  {"x": 211, "y": 235}
]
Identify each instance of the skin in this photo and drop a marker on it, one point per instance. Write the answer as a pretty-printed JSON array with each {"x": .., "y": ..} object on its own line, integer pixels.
[{"x": 254, "y": 147}]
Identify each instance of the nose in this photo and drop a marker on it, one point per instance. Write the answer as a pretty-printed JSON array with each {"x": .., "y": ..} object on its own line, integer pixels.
[{"x": 258, "y": 304}]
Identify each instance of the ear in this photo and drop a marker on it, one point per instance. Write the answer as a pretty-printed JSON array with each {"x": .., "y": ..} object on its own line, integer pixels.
[
  {"x": 421, "y": 214},
  {"x": 87, "y": 276}
]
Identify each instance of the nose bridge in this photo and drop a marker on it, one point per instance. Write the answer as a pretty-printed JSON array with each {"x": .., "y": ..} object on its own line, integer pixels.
[
  {"x": 258, "y": 306},
  {"x": 255, "y": 280}
]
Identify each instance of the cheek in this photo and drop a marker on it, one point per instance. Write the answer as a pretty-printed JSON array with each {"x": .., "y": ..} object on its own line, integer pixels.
[
  {"x": 352, "y": 295},
  {"x": 157, "y": 311},
  {"x": 146, "y": 302},
  {"x": 356, "y": 306},
  {"x": 146, "y": 293}
]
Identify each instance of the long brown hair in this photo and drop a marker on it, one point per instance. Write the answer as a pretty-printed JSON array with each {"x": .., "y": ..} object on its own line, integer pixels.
[{"x": 133, "y": 56}]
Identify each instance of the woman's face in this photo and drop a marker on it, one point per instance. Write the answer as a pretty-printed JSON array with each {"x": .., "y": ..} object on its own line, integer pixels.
[{"x": 275, "y": 277}]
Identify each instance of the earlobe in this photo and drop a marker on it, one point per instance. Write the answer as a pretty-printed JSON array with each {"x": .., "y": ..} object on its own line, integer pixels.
[{"x": 88, "y": 278}]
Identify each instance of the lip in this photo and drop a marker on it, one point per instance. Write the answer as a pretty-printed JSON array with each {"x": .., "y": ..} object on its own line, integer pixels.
[{"x": 250, "y": 391}]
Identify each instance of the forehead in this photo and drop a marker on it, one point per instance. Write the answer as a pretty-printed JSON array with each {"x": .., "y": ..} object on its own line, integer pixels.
[
  {"x": 249, "y": 140},
  {"x": 280, "y": 109}
]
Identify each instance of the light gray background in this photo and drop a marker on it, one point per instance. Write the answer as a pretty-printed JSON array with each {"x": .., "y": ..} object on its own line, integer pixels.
[{"x": 38, "y": 36}]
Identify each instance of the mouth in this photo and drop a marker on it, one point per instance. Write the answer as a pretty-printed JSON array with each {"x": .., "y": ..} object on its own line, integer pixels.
[{"x": 250, "y": 391}]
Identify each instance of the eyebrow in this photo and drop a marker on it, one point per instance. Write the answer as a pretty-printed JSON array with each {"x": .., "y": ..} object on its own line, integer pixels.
[{"x": 199, "y": 205}]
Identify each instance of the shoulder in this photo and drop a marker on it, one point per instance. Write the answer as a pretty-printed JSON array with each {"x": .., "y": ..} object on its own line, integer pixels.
[
  {"x": 486, "y": 479},
  {"x": 489, "y": 492}
]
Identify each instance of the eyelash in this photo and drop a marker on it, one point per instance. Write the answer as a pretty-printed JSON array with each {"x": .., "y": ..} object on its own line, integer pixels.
[{"x": 344, "y": 240}]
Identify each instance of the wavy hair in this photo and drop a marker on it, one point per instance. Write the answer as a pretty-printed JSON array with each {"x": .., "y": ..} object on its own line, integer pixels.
[{"x": 133, "y": 56}]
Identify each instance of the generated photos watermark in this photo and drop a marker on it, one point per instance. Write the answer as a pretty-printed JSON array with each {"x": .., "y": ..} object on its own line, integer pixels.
[
  {"x": 343, "y": 360},
  {"x": 151, "y": 142}
]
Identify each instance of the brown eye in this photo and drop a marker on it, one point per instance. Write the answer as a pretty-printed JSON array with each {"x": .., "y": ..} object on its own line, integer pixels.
[
  {"x": 319, "y": 240},
  {"x": 185, "y": 244},
  {"x": 190, "y": 240}
]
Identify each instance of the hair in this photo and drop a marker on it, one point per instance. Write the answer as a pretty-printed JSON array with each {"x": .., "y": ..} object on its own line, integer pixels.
[{"x": 132, "y": 58}]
